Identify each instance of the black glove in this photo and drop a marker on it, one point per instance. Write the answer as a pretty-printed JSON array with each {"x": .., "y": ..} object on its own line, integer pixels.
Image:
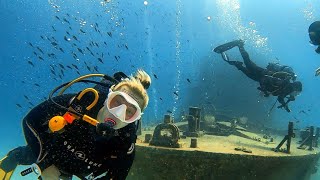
[
  {"x": 105, "y": 129},
  {"x": 265, "y": 93},
  {"x": 285, "y": 106}
]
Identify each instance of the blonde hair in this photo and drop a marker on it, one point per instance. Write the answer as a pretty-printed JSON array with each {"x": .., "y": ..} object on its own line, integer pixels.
[{"x": 138, "y": 84}]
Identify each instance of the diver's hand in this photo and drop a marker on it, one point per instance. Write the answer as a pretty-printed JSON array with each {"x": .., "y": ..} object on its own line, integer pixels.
[
  {"x": 105, "y": 129},
  {"x": 317, "y": 71},
  {"x": 285, "y": 107},
  {"x": 265, "y": 93}
]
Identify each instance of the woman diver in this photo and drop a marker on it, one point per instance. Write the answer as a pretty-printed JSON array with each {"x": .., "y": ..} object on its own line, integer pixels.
[{"x": 64, "y": 140}]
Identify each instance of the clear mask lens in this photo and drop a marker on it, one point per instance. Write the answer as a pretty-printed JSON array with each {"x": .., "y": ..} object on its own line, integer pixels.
[
  {"x": 295, "y": 93},
  {"x": 123, "y": 106}
]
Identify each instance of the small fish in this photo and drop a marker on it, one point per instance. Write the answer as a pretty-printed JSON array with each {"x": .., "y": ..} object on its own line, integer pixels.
[
  {"x": 54, "y": 43},
  {"x": 88, "y": 68},
  {"x": 175, "y": 93},
  {"x": 80, "y": 50},
  {"x": 61, "y": 50},
  {"x": 126, "y": 47},
  {"x": 188, "y": 80},
  {"x": 26, "y": 97},
  {"x": 52, "y": 66},
  {"x": 62, "y": 72},
  {"x": 65, "y": 20},
  {"x": 40, "y": 49},
  {"x": 160, "y": 98},
  {"x": 302, "y": 111},
  {"x": 109, "y": 34},
  {"x": 30, "y": 44},
  {"x": 68, "y": 33},
  {"x": 18, "y": 105},
  {"x": 52, "y": 55},
  {"x": 105, "y": 43},
  {"x": 53, "y": 72},
  {"x": 75, "y": 66},
  {"x": 168, "y": 111},
  {"x": 57, "y": 18},
  {"x": 36, "y": 84},
  {"x": 155, "y": 76},
  {"x": 69, "y": 67},
  {"x": 82, "y": 31},
  {"x": 96, "y": 68},
  {"x": 66, "y": 39},
  {"x": 42, "y": 37},
  {"x": 99, "y": 59},
  {"x": 62, "y": 67},
  {"x": 29, "y": 62},
  {"x": 54, "y": 39},
  {"x": 40, "y": 58},
  {"x": 54, "y": 29},
  {"x": 75, "y": 38}
]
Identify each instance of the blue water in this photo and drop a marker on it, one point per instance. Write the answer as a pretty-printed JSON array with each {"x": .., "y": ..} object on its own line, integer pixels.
[{"x": 171, "y": 40}]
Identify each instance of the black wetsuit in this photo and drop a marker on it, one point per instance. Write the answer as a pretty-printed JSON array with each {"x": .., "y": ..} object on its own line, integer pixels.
[
  {"x": 268, "y": 83},
  {"x": 78, "y": 150}
]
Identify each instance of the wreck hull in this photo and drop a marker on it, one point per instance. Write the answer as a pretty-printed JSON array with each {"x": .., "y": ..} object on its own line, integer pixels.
[{"x": 215, "y": 158}]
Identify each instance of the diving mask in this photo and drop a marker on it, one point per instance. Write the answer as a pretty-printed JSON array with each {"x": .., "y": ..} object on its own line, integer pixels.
[
  {"x": 295, "y": 93},
  {"x": 123, "y": 107}
]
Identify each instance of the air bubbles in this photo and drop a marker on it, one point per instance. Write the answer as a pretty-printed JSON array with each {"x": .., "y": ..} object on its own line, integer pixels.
[
  {"x": 252, "y": 23},
  {"x": 209, "y": 18},
  {"x": 145, "y": 3}
]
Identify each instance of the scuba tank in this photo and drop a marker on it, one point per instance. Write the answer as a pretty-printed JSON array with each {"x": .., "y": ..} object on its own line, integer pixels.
[{"x": 281, "y": 71}]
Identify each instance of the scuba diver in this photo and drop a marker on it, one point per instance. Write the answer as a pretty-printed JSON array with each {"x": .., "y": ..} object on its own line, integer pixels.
[
  {"x": 314, "y": 35},
  {"x": 275, "y": 79},
  {"x": 64, "y": 140}
]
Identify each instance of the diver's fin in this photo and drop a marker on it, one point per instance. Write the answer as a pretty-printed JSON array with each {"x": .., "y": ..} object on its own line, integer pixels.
[
  {"x": 224, "y": 47},
  {"x": 317, "y": 71},
  {"x": 5, "y": 175}
]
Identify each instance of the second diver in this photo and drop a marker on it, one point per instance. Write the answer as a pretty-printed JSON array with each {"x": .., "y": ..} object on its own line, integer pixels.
[{"x": 277, "y": 80}]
